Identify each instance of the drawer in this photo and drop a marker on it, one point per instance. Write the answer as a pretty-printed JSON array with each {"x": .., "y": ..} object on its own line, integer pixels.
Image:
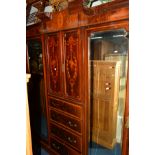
[
  {"x": 69, "y": 138},
  {"x": 61, "y": 148},
  {"x": 66, "y": 121},
  {"x": 66, "y": 107}
]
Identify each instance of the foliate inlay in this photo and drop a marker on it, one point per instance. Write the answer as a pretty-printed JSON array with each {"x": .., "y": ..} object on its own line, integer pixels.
[
  {"x": 54, "y": 63},
  {"x": 71, "y": 64}
]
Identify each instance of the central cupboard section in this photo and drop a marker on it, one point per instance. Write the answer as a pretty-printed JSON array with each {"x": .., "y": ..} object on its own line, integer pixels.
[
  {"x": 65, "y": 96},
  {"x": 64, "y": 64}
]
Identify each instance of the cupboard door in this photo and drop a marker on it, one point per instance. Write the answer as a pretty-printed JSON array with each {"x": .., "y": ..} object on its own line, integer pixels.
[
  {"x": 72, "y": 64},
  {"x": 54, "y": 64}
]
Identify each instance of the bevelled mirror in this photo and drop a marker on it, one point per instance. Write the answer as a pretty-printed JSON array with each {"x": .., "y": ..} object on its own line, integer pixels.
[{"x": 108, "y": 64}]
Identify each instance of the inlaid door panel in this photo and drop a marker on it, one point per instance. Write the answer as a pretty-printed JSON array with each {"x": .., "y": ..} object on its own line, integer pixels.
[
  {"x": 72, "y": 64},
  {"x": 54, "y": 64}
]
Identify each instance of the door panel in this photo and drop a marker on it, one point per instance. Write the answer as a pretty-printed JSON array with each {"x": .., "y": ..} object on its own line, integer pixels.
[
  {"x": 72, "y": 64},
  {"x": 54, "y": 64}
]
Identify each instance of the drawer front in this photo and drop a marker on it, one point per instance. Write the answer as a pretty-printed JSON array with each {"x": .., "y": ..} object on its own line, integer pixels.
[
  {"x": 62, "y": 149},
  {"x": 66, "y": 107},
  {"x": 66, "y": 136},
  {"x": 65, "y": 120}
]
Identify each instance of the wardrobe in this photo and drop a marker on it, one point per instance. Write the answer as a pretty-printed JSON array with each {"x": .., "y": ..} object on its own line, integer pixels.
[{"x": 78, "y": 59}]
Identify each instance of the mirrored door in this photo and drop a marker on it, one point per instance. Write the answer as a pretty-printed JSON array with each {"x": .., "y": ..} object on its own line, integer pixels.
[
  {"x": 108, "y": 63},
  {"x": 36, "y": 92}
]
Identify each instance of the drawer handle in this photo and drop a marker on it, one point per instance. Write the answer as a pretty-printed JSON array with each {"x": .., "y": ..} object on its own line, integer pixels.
[
  {"x": 55, "y": 146},
  {"x": 71, "y": 140},
  {"x": 71, "y": 124},
  {"x": 107, "y": 83},
  {"x": 63, "y": 108},
  {"x": 53, "y": 103},
  {"x": 107, "y": 88}
]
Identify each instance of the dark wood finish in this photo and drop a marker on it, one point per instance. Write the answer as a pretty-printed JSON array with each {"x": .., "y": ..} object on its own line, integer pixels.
[
  {"x": 66, "y": 136},
  {"x": 68, "y": 108},
  {"x": 62, "y": 20},
  {"x": 54, "y": 64},
  {"x": 66, "y": 35},
  {"x": 66, "y": 121}
]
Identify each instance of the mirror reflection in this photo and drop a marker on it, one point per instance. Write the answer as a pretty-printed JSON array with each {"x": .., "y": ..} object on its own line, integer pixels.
[
  {"x": 108, "y": 62},
  {"x": 36, "y": 92},
  {"x": 93, "y": 3}
]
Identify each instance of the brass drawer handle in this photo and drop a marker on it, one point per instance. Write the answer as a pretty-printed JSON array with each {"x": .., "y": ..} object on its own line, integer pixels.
[
  {"x": 55, "y": 146},
  {"x": 71, "y": 140},
  {"x": 72, "y": 124},
  {"x": 53, "y": 103}
]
